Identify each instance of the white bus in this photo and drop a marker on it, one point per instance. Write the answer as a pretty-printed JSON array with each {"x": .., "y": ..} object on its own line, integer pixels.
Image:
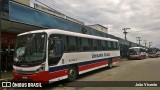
[
  {"x": 153, "y": 52},
  {"x": 52, "y": 55},
  {"x": 137, "y": 53}
]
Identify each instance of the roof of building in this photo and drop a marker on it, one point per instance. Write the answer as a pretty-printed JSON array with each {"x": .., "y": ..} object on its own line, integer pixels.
[{"x": 99, "y": 25}]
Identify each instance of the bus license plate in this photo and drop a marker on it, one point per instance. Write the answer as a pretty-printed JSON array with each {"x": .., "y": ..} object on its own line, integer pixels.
[{"x": 24, "y": 77}]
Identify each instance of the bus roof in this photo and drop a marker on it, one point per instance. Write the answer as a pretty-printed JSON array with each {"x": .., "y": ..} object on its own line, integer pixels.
[{"x": 64, "y": 32}]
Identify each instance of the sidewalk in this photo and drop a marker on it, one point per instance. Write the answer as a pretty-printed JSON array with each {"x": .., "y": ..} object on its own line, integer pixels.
[{"x": 6, "y": 76}]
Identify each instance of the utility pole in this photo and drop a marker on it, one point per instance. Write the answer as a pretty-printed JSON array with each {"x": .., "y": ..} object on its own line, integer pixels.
[
  {"x": 150, "y": 44},
  {"x": 139, "y": 40},
  {"x": 125, "y": 32},
  {"x": 145, "y": 43}
]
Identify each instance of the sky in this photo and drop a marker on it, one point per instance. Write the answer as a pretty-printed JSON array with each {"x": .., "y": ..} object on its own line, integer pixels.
[{"x": 141, "y": 16}]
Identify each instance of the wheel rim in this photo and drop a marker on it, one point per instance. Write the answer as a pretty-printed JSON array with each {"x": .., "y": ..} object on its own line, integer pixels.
[{"x": 72, "y": 73}]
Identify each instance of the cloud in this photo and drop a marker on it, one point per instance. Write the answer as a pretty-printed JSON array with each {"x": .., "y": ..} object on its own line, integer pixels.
[{"x": 142, "y": 16}]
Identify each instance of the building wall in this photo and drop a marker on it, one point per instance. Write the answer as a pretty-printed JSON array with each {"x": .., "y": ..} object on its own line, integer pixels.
[{"x": 56, "y": 13}]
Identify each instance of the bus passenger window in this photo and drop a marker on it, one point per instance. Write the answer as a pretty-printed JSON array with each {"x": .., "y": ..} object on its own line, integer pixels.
[
  {"x": 109, "y": 45},
  {"x": 71, "y": 43},
  {"x": 99, "y": 45},
  {"x": 85, "y": 44},
  {"x": 103, "y": 45},
  {"x": 64, "y": 43},
  {"x": 114, "y": 45},
  {"x": 95, "y": 44},
  {"x": 117, "y": 44},
  {"x": 58, "y": 47},
  {"x": 106, "y": 44}
]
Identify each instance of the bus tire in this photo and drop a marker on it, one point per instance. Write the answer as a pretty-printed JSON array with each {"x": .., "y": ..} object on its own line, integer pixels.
[
  {"x": 72, "y": 73},
  {"x": 110, "y": 64}
]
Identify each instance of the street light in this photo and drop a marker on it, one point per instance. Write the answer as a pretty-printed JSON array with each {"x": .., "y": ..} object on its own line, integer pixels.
[{"x": 125, "y": 32}]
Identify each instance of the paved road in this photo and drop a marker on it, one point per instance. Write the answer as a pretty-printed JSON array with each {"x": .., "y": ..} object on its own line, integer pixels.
[{"x": 133, "y": 70}]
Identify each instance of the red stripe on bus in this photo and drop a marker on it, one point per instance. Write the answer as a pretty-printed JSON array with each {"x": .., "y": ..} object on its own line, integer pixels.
[
  {"x": 93, "y": 65},
  {"x": 116, "y": 60},
  {"x": 57, "y": 74}
]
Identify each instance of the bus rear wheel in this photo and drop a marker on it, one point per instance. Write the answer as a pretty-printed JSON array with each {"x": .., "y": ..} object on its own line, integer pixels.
[
  {"x": 72, "y": 73},
  {"x": 110, "y": 64}
]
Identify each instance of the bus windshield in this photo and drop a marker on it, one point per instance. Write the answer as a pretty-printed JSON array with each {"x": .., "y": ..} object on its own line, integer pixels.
[
  {"x": 30, "y": 48},
  {"x": 134, "y": 51},
  {"x": 151, "y": 51}
]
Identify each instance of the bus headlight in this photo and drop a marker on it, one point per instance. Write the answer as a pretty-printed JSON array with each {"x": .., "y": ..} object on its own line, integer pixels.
[{"x": 41, "y": 68}]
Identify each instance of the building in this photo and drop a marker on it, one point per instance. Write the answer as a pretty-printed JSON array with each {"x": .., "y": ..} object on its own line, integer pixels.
[
  {"x": 99, "y": 28},
  {"x": 56, "y": 13}
]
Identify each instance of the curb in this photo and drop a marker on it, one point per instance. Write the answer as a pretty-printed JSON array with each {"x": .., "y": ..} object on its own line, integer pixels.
[
  {"x": 6, "y": 79},
  {"x": 124, "y": 59}
]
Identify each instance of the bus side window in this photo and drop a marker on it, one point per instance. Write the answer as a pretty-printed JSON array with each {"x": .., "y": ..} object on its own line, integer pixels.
[
  {"x": 58, "y": 47},
  {"x": 118, "y": 46},
  {"x": 99, "y": 45},
  {"x": 64, "y": 38},
  {"x": 112, "y": 45},
  {"x": 72, "y": 43},
  {"x": 103, "y": 46},
  {"x": 85, "y": 44},
  {"x": 78, "y": 44},
  {"x": 109, "y": 45},
  {"x": 141, "y": 50},
  {"x": 95, "y": 44},
  {"x": 115, "y": 45},
  {"x": 90, "y": 45},
  {"x": 106, "y": 45}
]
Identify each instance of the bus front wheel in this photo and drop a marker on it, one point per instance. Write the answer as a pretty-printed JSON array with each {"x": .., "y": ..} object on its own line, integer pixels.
[{"x": 72, "y": 73}]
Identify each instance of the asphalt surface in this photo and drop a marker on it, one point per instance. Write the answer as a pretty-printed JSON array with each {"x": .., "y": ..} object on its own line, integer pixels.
[{"x": 129, "y": 70}]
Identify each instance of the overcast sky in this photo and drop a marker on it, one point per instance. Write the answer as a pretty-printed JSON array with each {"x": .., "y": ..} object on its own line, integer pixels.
[{"x": 142, "y": 16}]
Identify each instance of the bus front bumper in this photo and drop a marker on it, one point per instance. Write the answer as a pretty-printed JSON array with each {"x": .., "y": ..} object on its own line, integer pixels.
[
  {"x": 41, "y": 77},
  {"x": 135, "y": 57}
]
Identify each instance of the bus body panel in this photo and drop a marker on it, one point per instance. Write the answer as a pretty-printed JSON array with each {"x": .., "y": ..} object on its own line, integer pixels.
[{"x": 85, "y": 64}]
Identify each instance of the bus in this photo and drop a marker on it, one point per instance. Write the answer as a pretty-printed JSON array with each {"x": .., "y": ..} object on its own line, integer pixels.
[
  {"x": 137, "y": 53},
  {"x": 153, "y": 52},
  {"x": 51, "y": 55}
]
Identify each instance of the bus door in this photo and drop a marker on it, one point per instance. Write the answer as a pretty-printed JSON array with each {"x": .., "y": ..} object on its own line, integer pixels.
[{"x": 55, "y": 50}]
